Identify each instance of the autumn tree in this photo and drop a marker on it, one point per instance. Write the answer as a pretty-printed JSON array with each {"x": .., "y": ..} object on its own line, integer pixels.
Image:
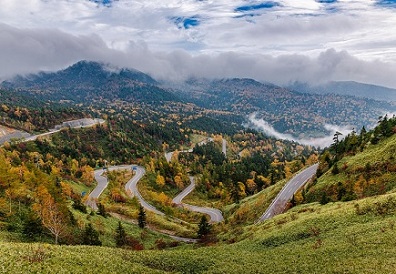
[
  {"x": 160, "y": 180},
  {"x": 51, "y": 216},
  {"x": 179, "y": 181},
  {"x": 251, "y": 186},
  {"x": 87, "y": 175}
]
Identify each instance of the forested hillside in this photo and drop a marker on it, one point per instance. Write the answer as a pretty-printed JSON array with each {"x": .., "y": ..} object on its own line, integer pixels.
[{"x": 357, "y": 166}]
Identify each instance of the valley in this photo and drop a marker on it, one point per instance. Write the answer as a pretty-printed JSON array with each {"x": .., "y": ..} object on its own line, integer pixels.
[{"x": 172, "y": 177}]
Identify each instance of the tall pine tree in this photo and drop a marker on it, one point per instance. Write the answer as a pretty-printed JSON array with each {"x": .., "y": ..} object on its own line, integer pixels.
[
  {"x": 121, "y": 236},
  {"x": 91, "y": 236},
  {"x": 142, "y": 217},
  {"x": 203, "y": 228}
]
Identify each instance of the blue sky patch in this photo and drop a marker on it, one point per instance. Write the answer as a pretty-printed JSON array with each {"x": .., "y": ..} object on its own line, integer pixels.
[
  {"x": 103, "y": 2},
  {"x": 386, "y": 3},
  {"x": 264, "y": 5},
  {"x": 186, "y": 22}
]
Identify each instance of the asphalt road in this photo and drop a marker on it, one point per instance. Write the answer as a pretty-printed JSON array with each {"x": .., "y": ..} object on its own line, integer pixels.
[
  {"x": 279, "y": 203},
  {"x": 132, "y": 190},
  {"x": 130, "y": 187},
  {"x": 215, "y": 215},
  {"x": 168, "y": 155},
  {"x": 102, "y": 184},
  {"x": 178, "y": 199},
  {"x": 87, "y": 123}
]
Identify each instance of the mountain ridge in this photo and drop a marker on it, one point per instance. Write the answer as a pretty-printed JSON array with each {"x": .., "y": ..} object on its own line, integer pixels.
[
  {"x": 87, "y": 80},
  {"x": 350, "y": 88},
  {"x": 290, "y": 112}
]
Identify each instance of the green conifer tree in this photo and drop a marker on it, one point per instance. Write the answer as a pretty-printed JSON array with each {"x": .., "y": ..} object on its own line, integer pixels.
[
  {"x": 204, "y": 228},
  {"x": 142, "y": 217},
  {"x": 121, "y": 236},
  {"x": 91, "y": 236}
]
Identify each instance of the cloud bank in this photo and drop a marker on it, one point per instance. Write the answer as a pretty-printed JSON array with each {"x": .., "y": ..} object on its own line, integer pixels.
[
  {"x": 31, "y": 50},
  {"x": 276, "y": 41},
  {"x": 317, "y": 142}
]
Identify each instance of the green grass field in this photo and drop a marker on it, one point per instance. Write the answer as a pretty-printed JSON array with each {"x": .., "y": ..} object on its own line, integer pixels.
[{"x": 308, "y": 239}]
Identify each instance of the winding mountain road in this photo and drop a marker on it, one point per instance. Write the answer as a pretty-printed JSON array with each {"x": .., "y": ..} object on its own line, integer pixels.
[
  {"x": 132, "y": 190},
  {"x": 215, "y": 215},
  {"x": 169, "y": 155},
  {"x": 102, "y": 184},
  {"x": 279, "y": 203},
  {"x": 80, "y": 123},
  {"x": 130, "y": 187},
  {"x": 277, "y": 206}
]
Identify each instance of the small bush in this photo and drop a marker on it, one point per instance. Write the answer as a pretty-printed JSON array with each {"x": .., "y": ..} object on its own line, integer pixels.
[
  {"x": 133, "y": 244},
  {"x": 160, "y": 244},
  {"x": 36, "y": 255}
]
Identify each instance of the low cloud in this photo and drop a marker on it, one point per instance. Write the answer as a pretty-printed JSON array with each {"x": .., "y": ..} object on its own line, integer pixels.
[
  {"x": 25, "y": 51},
  {"x": 322, "y": 142}
]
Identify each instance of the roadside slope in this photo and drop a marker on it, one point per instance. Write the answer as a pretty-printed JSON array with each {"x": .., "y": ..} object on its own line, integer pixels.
[{"x": 339, "y": 240}]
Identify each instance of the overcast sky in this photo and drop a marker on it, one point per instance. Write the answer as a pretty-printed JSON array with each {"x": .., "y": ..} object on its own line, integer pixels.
[{"x": 275, "y": 41}]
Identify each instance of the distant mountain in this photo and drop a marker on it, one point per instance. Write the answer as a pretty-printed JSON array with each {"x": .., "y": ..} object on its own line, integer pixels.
[
  {"x": 299, "y": 114},
  {"x": 87, "y": 81},
  {"x": 348, "y": 88},
  {"x": 296, "y": 113},
  {"x": 230, "y": 94}
]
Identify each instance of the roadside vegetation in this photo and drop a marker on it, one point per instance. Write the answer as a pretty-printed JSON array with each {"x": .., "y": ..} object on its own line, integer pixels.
[{"x": 340, "y": 238}]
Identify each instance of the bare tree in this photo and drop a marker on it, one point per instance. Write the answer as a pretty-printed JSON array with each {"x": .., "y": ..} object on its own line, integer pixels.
[{"x": 51, "y": 217}]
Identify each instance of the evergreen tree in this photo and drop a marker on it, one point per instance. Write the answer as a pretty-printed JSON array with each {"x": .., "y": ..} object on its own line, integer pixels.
[
  {"x": 32, "y": 227},
  {"x": 121, "y": 236},
  {"x": 204, "y": 228},
  {"x": 335, "y": 169},
  {"x": 78, "y": 205},
  {"x": 336, "y": 141},
  {"x": 293, "y": 201},
  {"x": 324, "y": 199},
  {"x": 91, "y": 236},
  {"x": 102, "y": 210},
  {"x": 142, "y": 217}
]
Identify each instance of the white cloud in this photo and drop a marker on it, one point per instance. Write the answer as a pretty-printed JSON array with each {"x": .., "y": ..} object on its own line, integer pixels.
[
  {"x": 292, "y": 42},
  {"x": 317, "y": 142}
]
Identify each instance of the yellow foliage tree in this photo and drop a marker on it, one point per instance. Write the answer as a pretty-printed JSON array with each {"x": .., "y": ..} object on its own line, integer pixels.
[
  {"x": 50, "y": 215},
  {"x": 66, "y": 189},
  {"x": 87, "y": 175},
  {"x": 312, "y": 159},
  {"x": 160, "y": 180},
  {"x": 251, "y": 186},
  {"x": 164, "y": 199},
  {"x": 178, "y": 181},
  {"x": 241, "y": 190}
]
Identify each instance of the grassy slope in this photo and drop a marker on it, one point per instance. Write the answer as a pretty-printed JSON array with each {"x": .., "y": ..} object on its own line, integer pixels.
[
  {"x": 319, "y": 239},
  {"x": 251, "y": 208},
  {"x": 385, "y": 151}
]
